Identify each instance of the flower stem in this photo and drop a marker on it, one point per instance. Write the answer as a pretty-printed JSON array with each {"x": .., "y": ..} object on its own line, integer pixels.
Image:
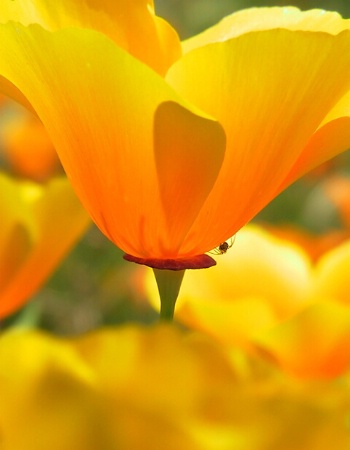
[{"x": 169, "y": 283}]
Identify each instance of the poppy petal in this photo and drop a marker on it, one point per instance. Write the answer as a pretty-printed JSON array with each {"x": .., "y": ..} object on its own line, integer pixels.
[
  {"x": 270, "y": 91},
  {"x": 332, "y": 274},
  {"x": 50, "y": 223},
  {"x": 314, "y": 343},
  {"x": 103, "y": 130},
  {"x": 259, "y": 19},
  {"x": 184, "y": 162},
  {"x": 331, "y": 138},
  {"x": 131, "y": 25}
]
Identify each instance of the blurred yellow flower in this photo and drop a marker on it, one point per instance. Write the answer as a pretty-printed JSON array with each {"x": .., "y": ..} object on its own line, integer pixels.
[
  {"x": 268, "y": 296},
  {"x": 39, "y": 224},
  {"x": 157, "y": 388},
  {"x": 171, "y": 154}
]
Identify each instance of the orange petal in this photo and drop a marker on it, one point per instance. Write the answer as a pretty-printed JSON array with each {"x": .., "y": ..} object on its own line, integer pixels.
[
  {"x": 103, "y": 130},
  {"x": 50, "y": 223},
  {"x": 270, "y": 90},
  {"x": 132, "y": 25},
  {"x": 331, "y": 138},
  {"x": 314, "y": 245},
  {"x": 337, "y": 189},
  {"x": 328, "y": 141},
  {"x": 184, "y": 161},
  {"x": 18, "y": 228}
]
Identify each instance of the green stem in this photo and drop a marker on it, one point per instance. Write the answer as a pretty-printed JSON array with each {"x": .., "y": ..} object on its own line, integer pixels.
[{"x": 169, "y": 283}]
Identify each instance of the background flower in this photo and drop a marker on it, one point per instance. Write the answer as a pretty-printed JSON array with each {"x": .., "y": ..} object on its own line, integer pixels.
[
  {"x": 131, "y": 387},
  {"x": 40, "y": 223},
  {"x": 267, "y": 295},
  {"x": 26, "y": 149}
]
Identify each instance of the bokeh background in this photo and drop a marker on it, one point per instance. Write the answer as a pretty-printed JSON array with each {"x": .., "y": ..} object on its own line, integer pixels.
[{"x": 94, "y": 286}]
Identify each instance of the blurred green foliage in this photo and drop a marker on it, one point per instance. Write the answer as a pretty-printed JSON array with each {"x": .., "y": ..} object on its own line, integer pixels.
[
  {"x": 94, "y": 286},
  {"x": 193, "y": 16}
]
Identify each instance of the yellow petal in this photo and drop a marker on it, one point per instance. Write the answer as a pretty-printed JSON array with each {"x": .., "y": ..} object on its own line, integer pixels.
[
  {"x": 103, "y": 130},
  {"x": 150, "y": 399},
  {"x": 259, "y": 19},
  {"x": 130, "y": 388},
  {"x": 48, "y": 396},
  {"x": 224, "y": 301},
  {"x": 231, "y": 323},
  {"x": 331, "y": 279},
  {"x": 18, "y": 230},
  {"x": 329, "y": 140},
  {"x": 33, "y": 246},
  {"x": 314, "y": 343},
  {"x": 270, "y": 90},
  {"x": 114, "y": 389},
  {"x": 132, "y": 25}
]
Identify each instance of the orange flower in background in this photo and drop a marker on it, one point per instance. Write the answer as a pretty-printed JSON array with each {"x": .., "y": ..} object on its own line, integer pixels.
[
  {"x": 27, "y": 149},
  {"x": 268, "y": 297},
  {"x": 39, "y": 225},
  {"x": 337, "y": 190},
  {"x": 172, "y": 154}
]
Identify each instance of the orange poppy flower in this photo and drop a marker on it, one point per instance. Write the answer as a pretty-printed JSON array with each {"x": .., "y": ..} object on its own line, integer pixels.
[
  {"x": 172, "y": 154},
  {"x": 27, "y": 148}
]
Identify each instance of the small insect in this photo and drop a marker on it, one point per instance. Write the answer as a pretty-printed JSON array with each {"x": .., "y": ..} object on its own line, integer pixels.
[{"x": 223, "y": 247}]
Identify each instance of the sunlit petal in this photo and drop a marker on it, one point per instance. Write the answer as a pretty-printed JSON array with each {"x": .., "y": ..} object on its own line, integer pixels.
[
  {"x": 132, "y": 25},
  {"x": 259, "y": 19},
  {"x": 107, "y": 146},
  {"x": 275, "y": 86},
  {"x": 332, "y": 275},
  {"x": 47, "y": 222},
  {"x": 268, "y": 109},
  {"x": 183, "y": 145},
  {"x": 314, "y": 343}
]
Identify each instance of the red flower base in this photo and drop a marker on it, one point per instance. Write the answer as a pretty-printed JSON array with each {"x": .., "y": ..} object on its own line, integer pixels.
[{"x": 194, "y": 262}]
